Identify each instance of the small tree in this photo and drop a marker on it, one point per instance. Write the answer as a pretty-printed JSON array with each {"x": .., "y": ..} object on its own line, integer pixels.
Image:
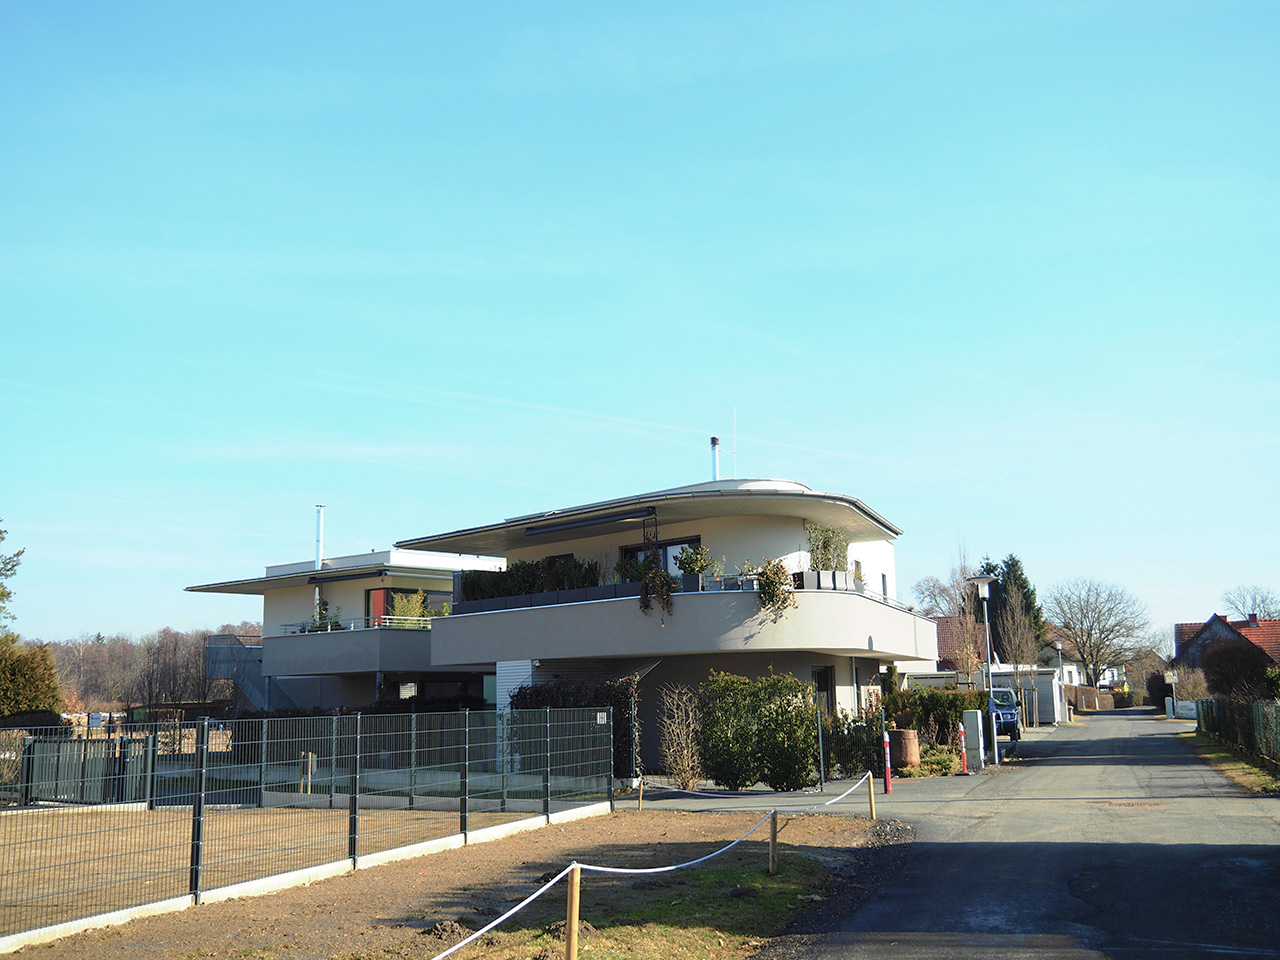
[
  {"x": 1018, "y": 630},
  {"x": 1237, "y": 671},
  {"x": 678, "y": 729}
]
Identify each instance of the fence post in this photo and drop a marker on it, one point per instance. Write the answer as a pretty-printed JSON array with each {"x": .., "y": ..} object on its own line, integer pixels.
[
  {"x": 353, "y": 798},
  {"x": 773, "y": 843},
  {"x": 871, "y": 793},
  {"x": 413, "y": 757},
  {"x": 197, "y": 807},
  {"x": 149, "y": 770},
  {"x": 26, "y": 788},
  {"x": 464, "y": 786},
  {"x": 822, "y": 768},
  {"x": 571, "y": 914},
  {"x": 608, "y": 769},
  {"x": 546, "y": 770},
  {"x": 262, "y": 764}
]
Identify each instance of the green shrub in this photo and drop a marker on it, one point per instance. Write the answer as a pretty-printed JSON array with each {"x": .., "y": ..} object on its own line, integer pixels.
[
  {"x": 935, "y": 713},
  {"x": 727, "y": 741},
  {"x": 851, "y": 745},
  {"x": 786, "y": 732},
  {"x": 935, "y": 761},
  {"x": 531, "y": 576}
]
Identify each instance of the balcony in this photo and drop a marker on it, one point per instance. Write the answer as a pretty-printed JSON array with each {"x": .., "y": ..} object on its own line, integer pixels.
[
  {"x": 565, "y": 624},
  {"x": 349, "y": 646}
]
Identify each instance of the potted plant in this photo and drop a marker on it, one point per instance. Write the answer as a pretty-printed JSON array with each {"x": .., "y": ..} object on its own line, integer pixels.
[{"x": 694, "y": 564}]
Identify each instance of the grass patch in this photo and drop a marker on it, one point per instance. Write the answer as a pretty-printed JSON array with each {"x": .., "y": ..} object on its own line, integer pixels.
[
  {"x": 1239, "y": 770},
  {"x": 706, "y": 913}
]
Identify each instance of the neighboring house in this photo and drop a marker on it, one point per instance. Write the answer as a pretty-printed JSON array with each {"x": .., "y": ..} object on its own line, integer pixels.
[
  {"x": 954, "y": 634},
  {"x": 1193, "y": 641},
  {"x": 839, "y": 635}
]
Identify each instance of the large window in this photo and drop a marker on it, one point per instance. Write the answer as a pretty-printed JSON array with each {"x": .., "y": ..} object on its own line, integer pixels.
[{"x": 668, "y": 550}]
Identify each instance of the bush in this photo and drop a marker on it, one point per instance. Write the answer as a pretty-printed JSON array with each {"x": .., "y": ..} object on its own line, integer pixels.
[
  {"x": 786, "y": 732},
  {"x": 935, "y": 713},
  {"x": 935, "y": 761},
  {"x": 617, "y": 693},
  {"x": 727, "y": 740},
  {"x": 531, "y": 576},
  {"x": 1237, "y": 672}
]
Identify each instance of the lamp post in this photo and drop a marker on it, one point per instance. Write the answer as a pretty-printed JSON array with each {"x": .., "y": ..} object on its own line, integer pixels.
[
  {"x": 1062, "y": 694},
  {"x": 983, "y": 583}
]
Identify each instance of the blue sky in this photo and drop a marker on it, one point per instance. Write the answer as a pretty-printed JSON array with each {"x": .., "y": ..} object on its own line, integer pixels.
[{"x": 1005, "y": 272}]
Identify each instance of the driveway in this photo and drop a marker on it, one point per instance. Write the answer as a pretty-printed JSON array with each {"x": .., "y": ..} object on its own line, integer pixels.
[{"x": 1106, "y": 838}]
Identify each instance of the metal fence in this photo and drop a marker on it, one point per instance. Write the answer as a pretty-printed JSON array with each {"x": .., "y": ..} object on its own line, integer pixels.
[
  {"x": 1254, "y": 727},
  {"x": 155, "y": 812}
]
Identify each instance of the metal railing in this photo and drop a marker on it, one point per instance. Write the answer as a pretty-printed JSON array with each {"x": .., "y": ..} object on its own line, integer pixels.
[
  {"x": 176, "y": 810},
  {"x": 357, "y": 623}
]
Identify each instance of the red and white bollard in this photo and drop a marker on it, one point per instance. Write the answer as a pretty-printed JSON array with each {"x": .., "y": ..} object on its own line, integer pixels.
[
  {"x": 964, "y": 753},
  {"x": 888, "y": 770}
]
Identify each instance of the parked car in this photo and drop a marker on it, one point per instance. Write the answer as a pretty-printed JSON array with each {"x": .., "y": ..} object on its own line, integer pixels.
[{"x": 1007, "y": 711}]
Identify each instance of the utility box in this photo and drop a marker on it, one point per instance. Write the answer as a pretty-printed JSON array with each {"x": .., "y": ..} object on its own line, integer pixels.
[{"x": 973, "y": 740}]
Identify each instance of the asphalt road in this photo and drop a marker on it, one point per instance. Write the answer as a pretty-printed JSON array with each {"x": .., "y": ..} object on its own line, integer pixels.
[{"x": 1106, "y": 838}]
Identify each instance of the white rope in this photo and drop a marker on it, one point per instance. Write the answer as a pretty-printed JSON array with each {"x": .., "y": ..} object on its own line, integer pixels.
[
  {"x": 738, "y": 796},
  {"x": 596, "y": 868},
  {"x": 676, "y": 866},
  {"x": 510, "y": 913}
]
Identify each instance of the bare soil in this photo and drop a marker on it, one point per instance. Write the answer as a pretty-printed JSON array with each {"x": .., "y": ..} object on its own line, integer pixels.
[{"x": 418, "y": 907}]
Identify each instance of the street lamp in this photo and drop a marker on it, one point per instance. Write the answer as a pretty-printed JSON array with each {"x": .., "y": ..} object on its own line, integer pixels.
[{"x": 983, "y": 583}]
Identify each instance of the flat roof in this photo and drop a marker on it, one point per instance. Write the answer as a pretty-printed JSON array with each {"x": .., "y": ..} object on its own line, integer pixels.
[
  {"x": 699, "y": 501},
  {"x": 357, "y": 567}
]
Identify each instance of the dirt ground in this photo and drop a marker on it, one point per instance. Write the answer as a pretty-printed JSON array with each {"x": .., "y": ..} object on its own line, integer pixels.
[{"x": 392, "y": 910}]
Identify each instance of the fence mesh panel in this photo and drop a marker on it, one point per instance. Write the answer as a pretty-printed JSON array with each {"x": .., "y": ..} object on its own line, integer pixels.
[
  {"x": 1254, "y": 727},
  {"x": 157, "y": 811}
]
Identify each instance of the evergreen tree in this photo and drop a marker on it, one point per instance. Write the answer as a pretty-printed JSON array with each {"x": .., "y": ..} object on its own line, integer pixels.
[
  {"x": 28, "y": 677},
  {"x": 1008, "y": 573}
]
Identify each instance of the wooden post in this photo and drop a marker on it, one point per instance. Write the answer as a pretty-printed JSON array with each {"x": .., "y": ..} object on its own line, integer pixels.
[
  {"x": 773, "y": 843},
  {"x": 871, "y": 794},
  {"x": 640, "y": 802},
  {"x": 571, "y": 917}
]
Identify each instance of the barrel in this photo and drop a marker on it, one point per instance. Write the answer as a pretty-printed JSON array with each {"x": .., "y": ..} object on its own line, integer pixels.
[{"x": 904, "y": 748}]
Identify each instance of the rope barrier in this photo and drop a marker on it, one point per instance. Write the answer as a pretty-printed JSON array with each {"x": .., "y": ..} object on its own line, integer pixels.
[{"x": 599, "y": 868}]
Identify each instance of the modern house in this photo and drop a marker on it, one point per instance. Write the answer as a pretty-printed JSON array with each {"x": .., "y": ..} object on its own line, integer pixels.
[{"x": 844, "y": 627}]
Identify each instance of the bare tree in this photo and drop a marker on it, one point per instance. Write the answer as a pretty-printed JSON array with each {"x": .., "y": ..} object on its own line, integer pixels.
[
  {"x": 956, "y": 598},
  {"x": 678, "y": 726},
  {"x": 1102, "y": 620},
  {"x": 1243, "y": 601},
  {"x": 1018, "y": 630}
]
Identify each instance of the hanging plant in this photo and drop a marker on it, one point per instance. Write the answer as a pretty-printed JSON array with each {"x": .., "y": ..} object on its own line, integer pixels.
[
  {"x": 777, "y": 592},
  {"x": 656, "y": 585}
]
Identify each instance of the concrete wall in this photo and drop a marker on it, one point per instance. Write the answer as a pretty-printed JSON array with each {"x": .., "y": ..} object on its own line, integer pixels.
[
  {"x": 347, "y": 651},
  {"x": 833, "y": 622}
]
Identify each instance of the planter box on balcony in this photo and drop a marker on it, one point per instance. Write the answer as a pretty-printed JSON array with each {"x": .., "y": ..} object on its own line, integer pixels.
[
  {"x": 750, "y": 584},
  {"x": 808, "y": 580},
  {"x": 691, "y": 582},
  {"x": 515, "y": 603},
  {"x": 576, "y": 595},
  {"x": 712, "y": 584},
  {"x": 607, "y": 592},
  {"x": 841, "y": 578},
  {"x": 731, "y": 583},
  {"x": 546, "y": 598},
  {"x": 628, "y": 589}
]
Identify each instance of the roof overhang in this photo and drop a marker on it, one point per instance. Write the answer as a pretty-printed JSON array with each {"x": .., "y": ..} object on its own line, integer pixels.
[
  {"x": 704, "y": 501},
  {"x": 260, "y": 585}
]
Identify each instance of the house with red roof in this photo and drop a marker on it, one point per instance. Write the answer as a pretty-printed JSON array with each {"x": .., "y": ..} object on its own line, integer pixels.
[{"x": 1193, "y": 641}]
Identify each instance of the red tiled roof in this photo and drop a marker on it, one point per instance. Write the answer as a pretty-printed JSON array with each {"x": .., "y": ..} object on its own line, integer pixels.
[
  {"x": 949, "y": 633},
  {"x": 1263, "y": 633}
]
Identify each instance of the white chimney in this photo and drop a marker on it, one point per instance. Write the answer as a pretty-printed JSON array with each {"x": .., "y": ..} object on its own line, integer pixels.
[
  {"x": 715, "y": 458},
  {"x": 319, "y": 534}
]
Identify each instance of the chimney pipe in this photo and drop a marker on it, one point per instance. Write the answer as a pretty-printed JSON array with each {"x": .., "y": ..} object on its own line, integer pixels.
[
  {"x": 319, "y": 534},
  {"x": 715, "y": 458}
]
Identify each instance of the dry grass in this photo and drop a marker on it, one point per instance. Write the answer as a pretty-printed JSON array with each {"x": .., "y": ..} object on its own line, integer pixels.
[{"x": 1240, "y": 771}]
